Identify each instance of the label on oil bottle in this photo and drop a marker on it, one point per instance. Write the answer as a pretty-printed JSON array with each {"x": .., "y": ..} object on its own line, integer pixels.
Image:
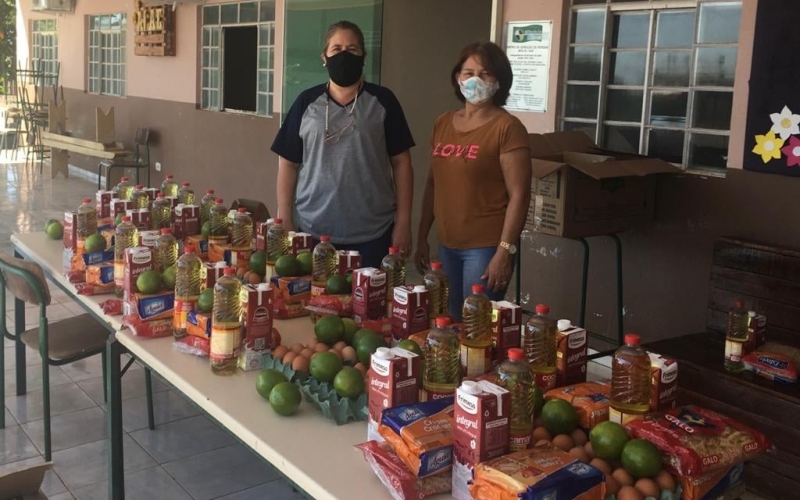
[
  {"x": 224, "y": 343},
  {"x": 545, "y": 381},
  {"x": 621, "y": 418},
  {"x": 475, "y": 361},
  {"x": 733, "y": 351},
  {"x": 519, "y": 442},
  {"x": 181, "y": 311}
]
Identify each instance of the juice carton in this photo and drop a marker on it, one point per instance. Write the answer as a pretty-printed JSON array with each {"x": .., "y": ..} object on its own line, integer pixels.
[
  {"x": 506, "y": 329},
  {"x": 137, "y": 261},
  {"x": 186, "y": 222},
  {"x": 369, "y": 294},
  {"x": 150, "y": 307},
  {"x": 480, "y": 431},
  {"x": 148, "y": 238},
  {"x": 349, "y": 261},
  {"x": 151, "y": 193},
  {"x": 392, "y": 380},
  {"x": 257, "y": 318},
  {"x": 100, "y": 274},
  {"x": 663, "y": 382},
  {"x": 261, "y": 235},
  {"x": 70, "y": 231},
  {"x": 103, "y": 203},
  {"x": 756, "y": 333},
  {"x": 410, "y": 310},
  {"x": 200, "y": 244},
  {"x": 299, "y": 243},
  {"x": 292, "y": 290},
  {"x": 213, "y": 272},
  {"x": 140, "y": 217},
  {"x": 119, "y": 207},
  {"x": 571, "y": 358}
]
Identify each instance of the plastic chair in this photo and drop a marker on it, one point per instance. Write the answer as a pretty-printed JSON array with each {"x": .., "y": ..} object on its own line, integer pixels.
[
  {"x": 58, "y": 344},
  {"x": 140, "y": 159}
]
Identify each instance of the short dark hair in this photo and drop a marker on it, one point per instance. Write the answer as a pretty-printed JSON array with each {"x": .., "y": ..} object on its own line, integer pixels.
[
  {"x": 344, "y": 25},
  {"x": 493, "y": 60}
]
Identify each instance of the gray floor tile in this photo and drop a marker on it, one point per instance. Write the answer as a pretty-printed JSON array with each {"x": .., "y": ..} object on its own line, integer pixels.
[
  {"x": 85, "y": 369},
  {"x": 32, "y": 357},
  {"x": 88, "y": 464},
  {"x": 62, "y": 496},
  {"x": 15, "y": 445},
  {"x": 57, "y": 312},
  {"x": 71, "y": 429},
  {"x": 278, "y": 489},
  {"x": 182, "y": 439},
  {"x": 220, "y": 472},
  {"x": 148, "y": 484},
  {"x": 33, "y": 377},
  {"x": 52, "y": 484},
  {"x": 10, "y": 422},
  {"x": 132, "y": 386},
  {"x": 63, "y": 399},
  {"x": 168, "y": 406}
]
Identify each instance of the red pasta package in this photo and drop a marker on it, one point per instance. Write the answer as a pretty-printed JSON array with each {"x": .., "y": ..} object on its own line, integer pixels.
[
  {"x": 282, "y": 310},
  {"x": 696, "y": 441},
  {"x": 400, "y": 482},
  {"x": 112, "y": 307},
  {"x": 331, "y": 305},
  {"x": 150, "y": 329}
]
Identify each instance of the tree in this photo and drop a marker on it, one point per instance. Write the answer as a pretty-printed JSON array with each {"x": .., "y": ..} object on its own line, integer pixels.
[{"x": 8, "y": 42}]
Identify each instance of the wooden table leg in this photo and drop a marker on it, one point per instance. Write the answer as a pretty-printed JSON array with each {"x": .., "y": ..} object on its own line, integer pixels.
[{"x": 59, "y": 162}]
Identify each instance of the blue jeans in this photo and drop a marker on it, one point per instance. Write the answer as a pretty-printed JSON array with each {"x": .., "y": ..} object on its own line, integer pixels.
[
  {"x": 372, "y": 252},
  {"x": 464, "y": 268}
]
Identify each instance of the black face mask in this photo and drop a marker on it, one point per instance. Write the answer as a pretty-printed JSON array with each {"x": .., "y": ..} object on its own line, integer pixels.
[{"x": 345, "y": 68}]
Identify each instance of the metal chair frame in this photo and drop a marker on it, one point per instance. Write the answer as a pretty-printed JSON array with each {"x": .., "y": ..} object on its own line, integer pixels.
[{"x": 139, "y": 160}]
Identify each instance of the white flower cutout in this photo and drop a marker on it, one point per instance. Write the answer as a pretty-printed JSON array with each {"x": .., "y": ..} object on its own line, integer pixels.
[{"x": 785, "y": 123}]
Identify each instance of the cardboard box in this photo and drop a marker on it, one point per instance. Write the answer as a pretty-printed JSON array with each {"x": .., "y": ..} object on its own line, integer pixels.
[
  {"x": 369, "y": 294},
  {"x": 506, "y": 329},
  {"x": 257, "y": 317},
  {"x": 572, "y": 355},
  {"x": 100, "y": 274},
  {"x": 200, "y": 244},
  {"x": 70, "y": 231},
  {"x": 299, "y": 243},
  {"x": 581, "y": 190},
  {"x": 119, "y": 207},
  {"x": 393, "y": 380},
  {"x": 137, "y": 261},
  {"x": 103, "y": 203},
  {"x": 186, "y": 222},
  {"x": 292, "y": 290},
  {"x": 140, "y": 217},
  {"x": 151, "y": 193},
  {"x": 150, "y": 307},
  {"x": 756, "y": 333},
  {"x": 23, "y": 482},
  {"x": 198, "y": 324},
  {"x": 214, "y": 272},
  {"x": 410, "y": 310},
  {"x": 349, "y": 261},
  {"x": 663, "y": 382},
  {"x": 261, "y": 235}
]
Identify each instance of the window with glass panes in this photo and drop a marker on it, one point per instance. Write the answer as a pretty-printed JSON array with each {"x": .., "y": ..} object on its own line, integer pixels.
[
  {"x": 44, "y": 46},
  {"x": 654, "y": 77},
  {"x": 216, "y": 18},
  {"x": 107, "y": 54}
]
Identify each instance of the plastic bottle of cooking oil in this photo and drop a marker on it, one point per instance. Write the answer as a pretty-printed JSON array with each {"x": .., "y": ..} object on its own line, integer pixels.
[
  {"x": 476, "y": 344},
  {"x": 394, "y": 266},
  {"x": 630, "y": 381},
  {"x": 438, "y": 286},
  {"x": 186, "y": 194},
  {"x": 161, "y": 213},
  {"x": 736, "y": 336},
  {"x": 325, "y": 260},
  {"x": 442, "y": 370},
  {"x": 242, "y": 230},
  {"x": 206, "y": 203},
  {"x": 218, "y": 223},
  {"x": 126, "y": 235},
  {"x": 515, "y": 375},
  {"x": 540, "y": 343},
  {"x": 165, "y": 251},
  {"x": 124, "y": 189},
  {"x": 87, "y": 218},
  {"x": 188, "y": 281},
  {"x": 169, "y": 186},
  {"x": 277, "y": 241},
  {"x": 139, "y": 198},
  {"x": 226, "y": 323}
]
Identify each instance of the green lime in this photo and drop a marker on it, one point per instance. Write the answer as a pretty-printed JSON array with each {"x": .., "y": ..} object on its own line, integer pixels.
[
  {"x": 349, "y": 382},
  {"x": 205, "y": 302},
  {"x": 306, "y": 261},
  {"x": 324, "y": 366},
  {"x": 410, "y": 345},
  {"x": 149, "y": 282},
  {"x": 168, "y": 277},
  {"x": 268, "y": 379},
  {"x": 258, "y": 262},
  {"x": 641, "y": 458},
  {"x": 287, "y": 266},
  {"x": 559, "y": 417},
  {"x": 329, "y": 330},
  {"x": 608, "y": 439},
  {"x": 54, "y": 229},
  {"x": 94, "y": 243},
  {"x": 364, "y": 332},
  {"x": 368, "y": 345},
  {"x": 205, "y": 231},
  {"x": 285, "y": 398},
  {"x": 337, "y": 285},
  {"x": 350, "y": 329}
]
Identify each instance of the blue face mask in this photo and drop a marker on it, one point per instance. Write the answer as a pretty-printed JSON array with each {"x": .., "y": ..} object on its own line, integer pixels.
[{"x": 476, "y": 91}]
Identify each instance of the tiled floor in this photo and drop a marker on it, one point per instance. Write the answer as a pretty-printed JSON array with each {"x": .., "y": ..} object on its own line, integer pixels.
[{"x": 186, "y": 457}]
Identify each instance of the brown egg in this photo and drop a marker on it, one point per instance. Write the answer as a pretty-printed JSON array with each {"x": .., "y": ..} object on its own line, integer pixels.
[
  {"x": 307, "y": 353},
  {"x": 242, "y": 272},
  {"x": 542, "y": 442},
  {"x": 361, "y": 367},
  {"x": 540, "y": 433},
  {"x": 300, "y": 364},
  {"x": 623, "y": 477},
  {"x": 579, "y": 452},
  {"x": 349, "y": 355},
  {"x": 648, "y": 488},
  {"x": 254, "y": 278},
  {"x": 665, "y": 481},
  {"x": 599, "y": 463},
  {"x": 288, "y": 358},
  {"x": 297, "y": 347},
  {"x": 563, "y": 442},
  {"x": 320, "y": 347},
  {"x": 279, "y": 352},
  {"x": 337, "y": 353},
  {"x": 612, "y": 487},
  {"x": 629, "y": 493},
  {"x": 579, "y": 437},
  {"x": 339, "y": 345},
  {"x": 312, "y": 342},
  {"x": 589, "y": 449}
]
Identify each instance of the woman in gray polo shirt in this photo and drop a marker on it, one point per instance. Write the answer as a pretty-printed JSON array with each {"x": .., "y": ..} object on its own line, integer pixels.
[{"x": 345, "y": 169}]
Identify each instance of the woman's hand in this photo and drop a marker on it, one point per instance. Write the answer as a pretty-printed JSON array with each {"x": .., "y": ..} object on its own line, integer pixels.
[
  {"x": 401, "y": 238},
  {"x": 288, "y": 224},
  {"x": 498, "y": 272},
  {"x": 422, "y": 256}
]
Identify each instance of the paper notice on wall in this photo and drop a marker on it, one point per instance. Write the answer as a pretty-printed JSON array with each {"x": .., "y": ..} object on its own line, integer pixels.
[{"x": 528, "y": 49}]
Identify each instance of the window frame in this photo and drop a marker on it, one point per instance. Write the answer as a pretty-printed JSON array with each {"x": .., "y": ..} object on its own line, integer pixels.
[
  {"x": 49, "y": 65},
  {"x": 648, "y": 88},
  {"x": 97, "y": 63}
]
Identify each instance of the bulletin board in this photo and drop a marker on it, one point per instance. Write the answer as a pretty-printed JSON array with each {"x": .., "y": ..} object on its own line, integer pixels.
[{"x": 772, "y": 140}]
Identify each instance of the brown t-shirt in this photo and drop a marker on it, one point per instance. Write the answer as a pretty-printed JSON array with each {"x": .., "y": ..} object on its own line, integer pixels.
[{"x": 470, "y": 196}]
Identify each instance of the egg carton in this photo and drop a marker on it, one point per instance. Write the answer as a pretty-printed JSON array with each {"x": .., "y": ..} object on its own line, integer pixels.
[
  {"x": 665, "y": 495},
  {"x": 340, "y": 410}
]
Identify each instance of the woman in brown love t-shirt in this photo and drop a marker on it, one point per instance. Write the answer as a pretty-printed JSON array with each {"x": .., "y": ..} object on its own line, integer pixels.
[{"x": 479, "y": 185}]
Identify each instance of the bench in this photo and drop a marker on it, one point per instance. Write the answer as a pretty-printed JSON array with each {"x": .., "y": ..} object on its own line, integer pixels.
[{"x": 767, "y": 278}]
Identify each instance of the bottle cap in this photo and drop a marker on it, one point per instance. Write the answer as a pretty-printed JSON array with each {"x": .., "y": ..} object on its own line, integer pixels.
[
  {"x": 477, "y": 288},
  {"x": 229, "y": 271},
  {"x": 160, "y": 195},
  {"x": 219, "y": 201},
  {"x": 419, "y": 288},
  {"x": 752, "y": 314},
  {"x": 169, "y": 176},
  {"x": 564, "y": 324},
  {"x": 209, "y": 191},
  {"x": 738, "y": 303},
  {"x": 325, "y": 238},
  {"x": 123, "y": 179},
  {"x": 139, "y": 186},
  {"x": 470, "y": 387},
  {"x": 277, "y": 220},
  {"x": 242, "y": 210},
  {"x": 186, "y": 184},
  {"x": 263, "y": 287},
  {"x": 632, "y": 339},
  {"x": 166, "y": 230},
  {"x": 126, "y": 218},
  {"x": 542, "y": 309},
  {"x": 435, "y": 264},
  {"x": 220, "y": 264},
  {"x": 516, "y": 354},
  {"x": 442, "y": 321},
  {"x": 188, "y": 249},
  {"x": 87, "y": 200},
  {"x": 383, "y": 353},
  {"x": 393, "y": 250}
]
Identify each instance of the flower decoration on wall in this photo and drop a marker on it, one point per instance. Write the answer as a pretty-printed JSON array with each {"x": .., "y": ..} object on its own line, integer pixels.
[
  {"x": 792, "y": 152},
  {"x": 768, "y": 146},
  {"x": 785, "y": 123}
]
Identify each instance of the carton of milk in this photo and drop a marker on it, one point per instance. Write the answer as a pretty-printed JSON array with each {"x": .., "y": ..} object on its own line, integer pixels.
[
  {"x": 410, "y": 310},
  {"x": 572, "y": 354},
  {"x": 663, "y": 382},
  {"x": 369, "y": 294},
  {"x": 393, "y": 380},
  {"x": 506, "y": 329},
  {"x": 137, "y": 261},
  {"x": 257, "y": 318}
]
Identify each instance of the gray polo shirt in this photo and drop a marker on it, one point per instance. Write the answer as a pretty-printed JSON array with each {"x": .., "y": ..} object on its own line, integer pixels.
[{"x": 345, "y": 187}]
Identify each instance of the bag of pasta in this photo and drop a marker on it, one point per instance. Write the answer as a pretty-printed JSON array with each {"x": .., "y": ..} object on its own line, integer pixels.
[{"x": 696, "y": 441}]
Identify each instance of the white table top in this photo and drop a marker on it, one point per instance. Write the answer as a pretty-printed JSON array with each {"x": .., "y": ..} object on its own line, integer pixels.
[{"x": 313, "y": 452}]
